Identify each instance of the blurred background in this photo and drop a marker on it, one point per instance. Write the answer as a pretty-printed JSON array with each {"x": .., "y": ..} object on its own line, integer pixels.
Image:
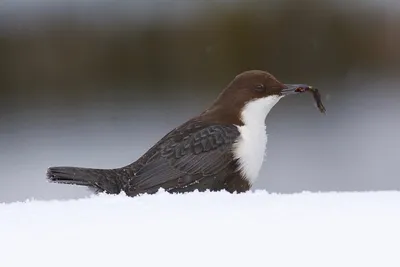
[{"x": 97, "y": 83}]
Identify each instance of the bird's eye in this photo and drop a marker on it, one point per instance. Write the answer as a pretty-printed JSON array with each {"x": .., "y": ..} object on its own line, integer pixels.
[{"x": 260, "y": 88}]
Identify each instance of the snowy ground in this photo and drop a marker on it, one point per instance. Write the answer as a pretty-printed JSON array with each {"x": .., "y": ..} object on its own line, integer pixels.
[{"x": 204, "y": 229}]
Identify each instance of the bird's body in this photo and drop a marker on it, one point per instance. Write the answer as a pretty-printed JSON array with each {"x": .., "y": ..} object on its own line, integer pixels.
[
  {"x": 221, "y": 149},
  {"x": 196, "y": 155}
]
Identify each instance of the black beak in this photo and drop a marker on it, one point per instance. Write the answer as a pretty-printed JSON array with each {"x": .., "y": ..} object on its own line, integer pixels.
[{"x": 294, "y": 89}]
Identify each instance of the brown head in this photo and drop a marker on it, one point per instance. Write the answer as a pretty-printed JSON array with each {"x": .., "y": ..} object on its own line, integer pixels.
[{"x": 257, "y": 90}]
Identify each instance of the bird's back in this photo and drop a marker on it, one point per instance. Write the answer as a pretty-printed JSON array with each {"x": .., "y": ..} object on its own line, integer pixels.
[{"x": 194, "y": 156}]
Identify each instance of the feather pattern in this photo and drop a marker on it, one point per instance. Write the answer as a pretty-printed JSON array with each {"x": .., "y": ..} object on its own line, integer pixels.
[{"x": 189, "y": 156}]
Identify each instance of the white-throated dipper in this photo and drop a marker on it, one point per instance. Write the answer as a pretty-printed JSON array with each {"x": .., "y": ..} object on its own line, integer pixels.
[{"x": 221, "y": 149}]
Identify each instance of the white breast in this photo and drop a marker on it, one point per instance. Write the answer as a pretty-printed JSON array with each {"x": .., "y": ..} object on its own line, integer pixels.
[{"x": 250, "y": 148}]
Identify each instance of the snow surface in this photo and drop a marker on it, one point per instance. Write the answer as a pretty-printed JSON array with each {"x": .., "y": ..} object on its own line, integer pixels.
[{"x": 204, "y": 229}]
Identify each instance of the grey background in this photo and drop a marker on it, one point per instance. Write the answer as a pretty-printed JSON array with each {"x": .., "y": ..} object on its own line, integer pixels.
[{"x": 95, "y": 84}]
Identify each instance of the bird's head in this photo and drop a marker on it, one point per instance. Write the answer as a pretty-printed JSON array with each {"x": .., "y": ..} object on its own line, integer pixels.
[{"x": 252, "y": 94}]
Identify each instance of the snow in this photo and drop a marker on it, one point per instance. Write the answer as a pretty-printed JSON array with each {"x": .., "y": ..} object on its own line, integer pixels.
[{"x": 204, "y": 229}]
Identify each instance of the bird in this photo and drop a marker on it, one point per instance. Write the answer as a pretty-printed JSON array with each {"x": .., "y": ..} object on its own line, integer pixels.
[{"x": 221, "y": 148}]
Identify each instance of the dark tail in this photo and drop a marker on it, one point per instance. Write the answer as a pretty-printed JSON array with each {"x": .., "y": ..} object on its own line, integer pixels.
[{"x": 101, "y": 180}]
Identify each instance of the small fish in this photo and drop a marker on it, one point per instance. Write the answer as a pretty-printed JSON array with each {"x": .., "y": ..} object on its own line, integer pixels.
[
  {"x": 316, "y": 95},
  {"x": 317, "y": 98}
]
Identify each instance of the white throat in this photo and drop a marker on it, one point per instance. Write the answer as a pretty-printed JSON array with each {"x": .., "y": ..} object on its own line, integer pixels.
[{"x": 250, "y": 147}]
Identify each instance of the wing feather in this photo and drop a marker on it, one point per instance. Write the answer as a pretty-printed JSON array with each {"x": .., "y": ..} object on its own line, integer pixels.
[{"x": 188, "y": 156}]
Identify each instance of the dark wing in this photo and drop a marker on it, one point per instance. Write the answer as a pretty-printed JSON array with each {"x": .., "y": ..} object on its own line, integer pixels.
[{"x": 184, "y": 157}]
